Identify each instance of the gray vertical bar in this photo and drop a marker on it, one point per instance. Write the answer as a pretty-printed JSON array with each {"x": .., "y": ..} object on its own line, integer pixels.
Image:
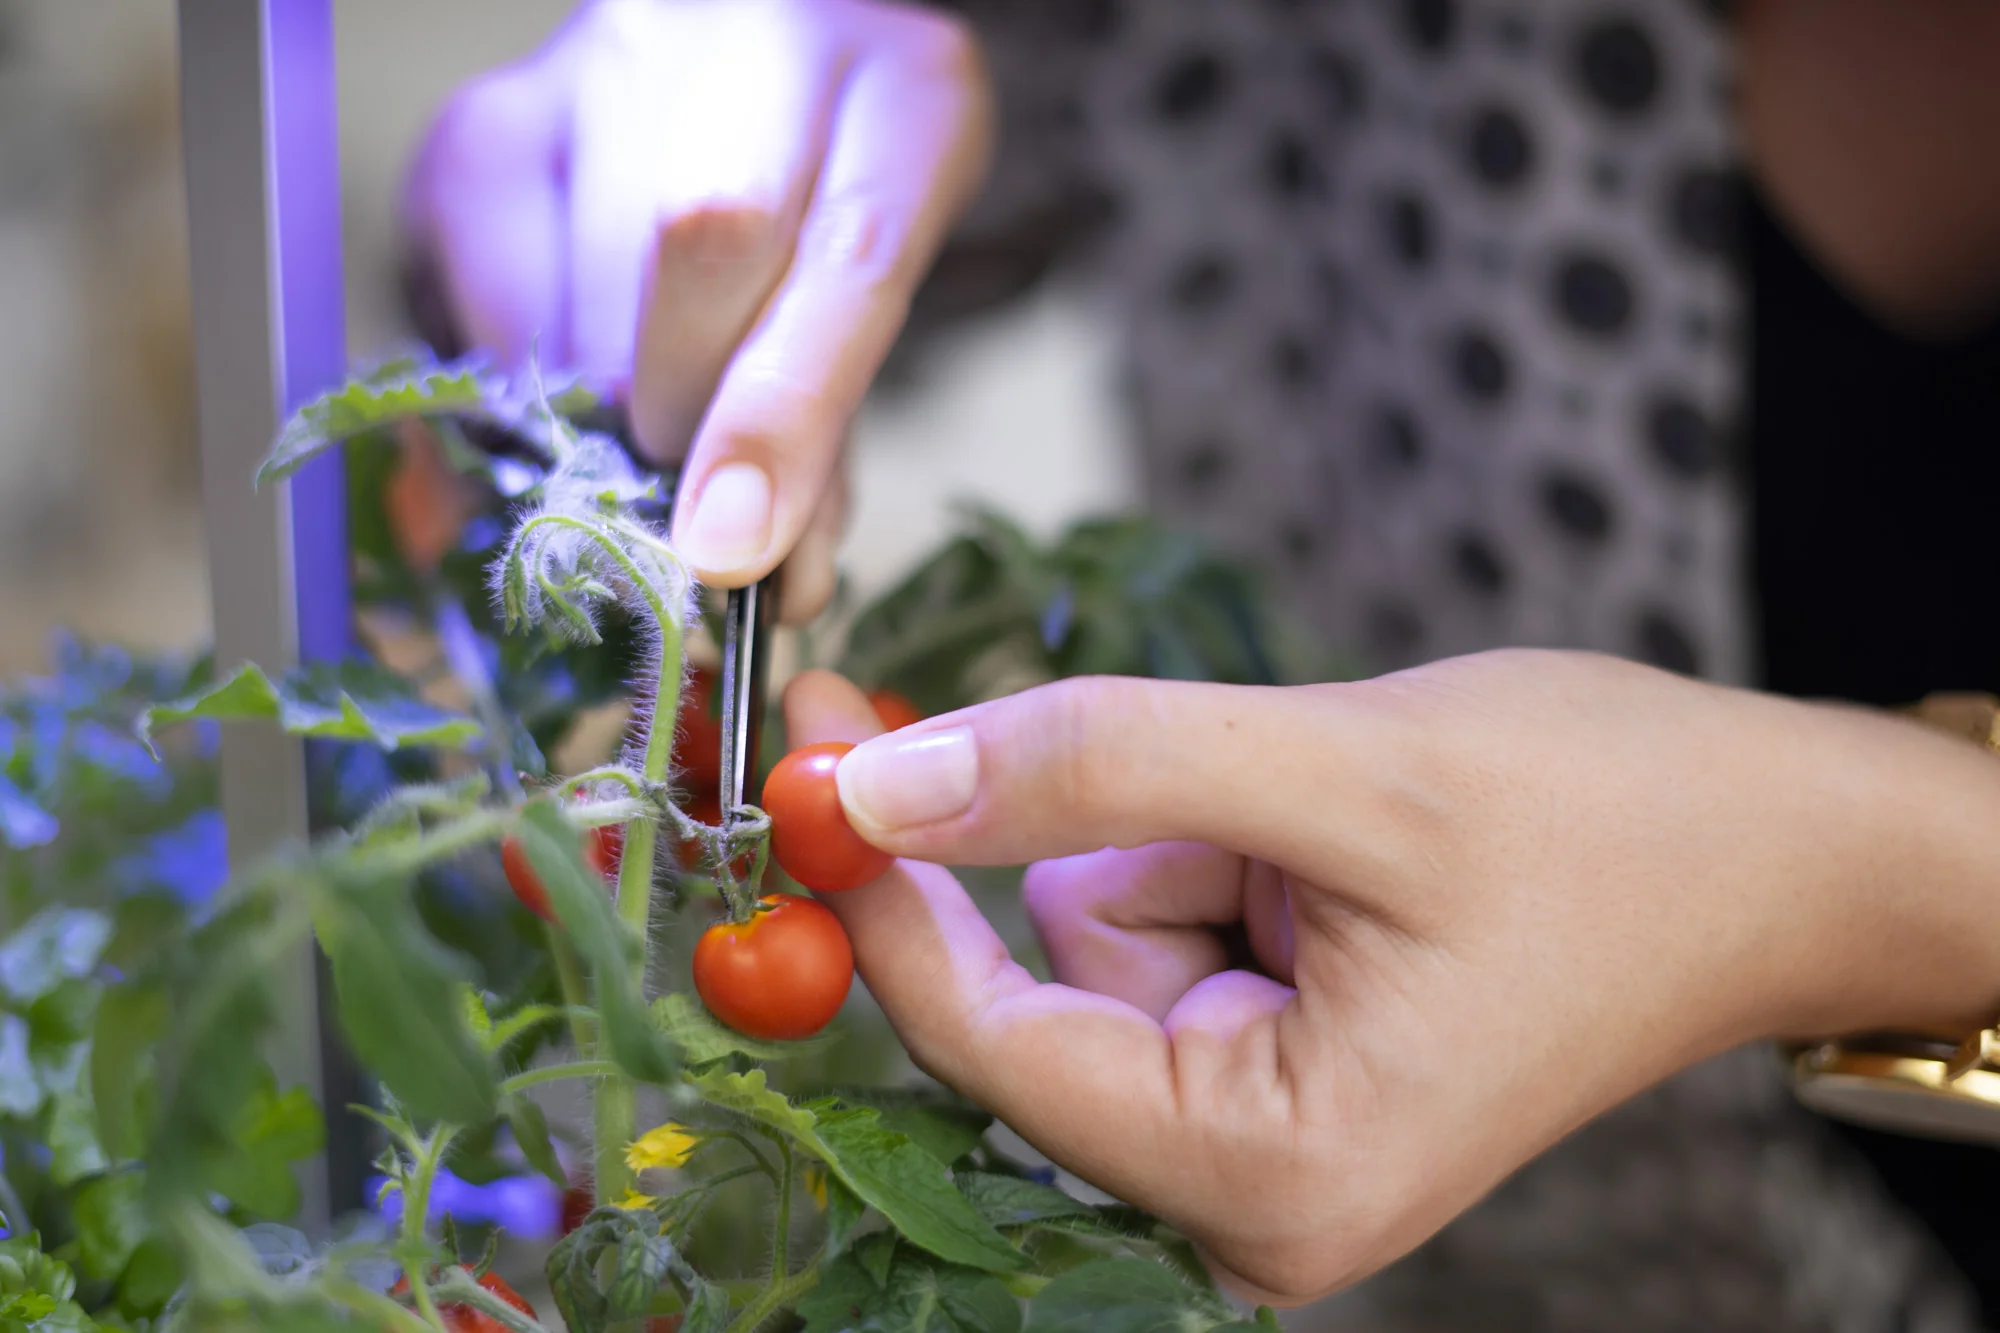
[{"x": 260, "y": 147}]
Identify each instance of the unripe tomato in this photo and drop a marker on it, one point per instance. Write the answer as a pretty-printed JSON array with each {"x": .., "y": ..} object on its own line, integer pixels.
[
  {"x": 810, "y": 835},
  {"x": 603, "y": 846},
  {"x": 698, "y": 748},
  {"x": 781, "y": 975},
  {"x": 894, "y": 710},
  {"x": 465, "y": 1319}
]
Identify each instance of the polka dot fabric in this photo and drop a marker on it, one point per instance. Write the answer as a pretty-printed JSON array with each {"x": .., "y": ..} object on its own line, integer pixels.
[
  {"x": 1430, "y": 312},
  {"x": 1429, "y": 309},
  {"x": 1428, "y": 304}
]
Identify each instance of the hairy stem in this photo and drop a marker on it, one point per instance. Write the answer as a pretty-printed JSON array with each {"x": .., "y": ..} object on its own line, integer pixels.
[
  {"x": 438, "y": 844},
  {"x": 378, "y": 1308},
  {"x": 617, "y": 1101},
  {"x": 781, "y": 1241},
  {"x": 416, "y": 1211},
  {"x": 528, "y": 1078},
  {"x": 775, "y": 1297}
]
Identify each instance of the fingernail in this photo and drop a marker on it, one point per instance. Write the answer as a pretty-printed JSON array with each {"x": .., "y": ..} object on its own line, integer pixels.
[
  {"x": 895, "y": 782},
  {"x": 731, "y": 524}
]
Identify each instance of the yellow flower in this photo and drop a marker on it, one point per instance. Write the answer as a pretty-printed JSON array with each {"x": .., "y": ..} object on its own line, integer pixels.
[
  {"x": 634, "y": 1200},
  {"x": 816, "y": 1185},
  {"x": 666, "y": 1146}
]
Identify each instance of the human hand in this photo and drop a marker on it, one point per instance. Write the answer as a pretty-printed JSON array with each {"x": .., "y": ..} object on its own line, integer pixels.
[
  {"x": 725, "y": 210},
  {"x": 1487, "y": 900}
]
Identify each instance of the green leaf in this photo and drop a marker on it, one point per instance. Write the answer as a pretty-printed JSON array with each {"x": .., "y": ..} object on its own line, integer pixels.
[
  {"x": 56, "y": 945},
  {"x": 400, "y": 1001},
  {"x": 110, "y": 1224},
  {"x": 911, "y": 1188},
  {"x": 368, "y": 404},
  {"x": 24, "y": 1268},
  {"x": 130, "y": 1019},
  {"x": 1126, "y": 1295},
  {"x": 72, "y": 1138},
  {"x": 703, "y": 1040},
  {"x": 613, "y": 954},
  {"x": 274, "y": 1131},
  {"x": 645, "y": 1260},
  {"x": 21, "y": 1092},
  {"x": 531, "y": 1132},
  {"x": 1009, "y": 1201},
  {"x": 939, "y": 1121},
  {"x": 907, "y": 1185},
  {"x": 914, "y": 1295},
  {"x": 342, "y": 701},
  {"x": 150, "y": 1279}
]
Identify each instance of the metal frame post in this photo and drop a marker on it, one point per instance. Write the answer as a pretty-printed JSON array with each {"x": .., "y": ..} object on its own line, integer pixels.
[{"x": 260, "y": 141}]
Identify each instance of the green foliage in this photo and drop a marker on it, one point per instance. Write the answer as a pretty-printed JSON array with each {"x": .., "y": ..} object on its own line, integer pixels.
[
  {"x": 149, "y": 1149},
  {"x": 1116, "y": 596},
  {"x": 343, "y": 701}
]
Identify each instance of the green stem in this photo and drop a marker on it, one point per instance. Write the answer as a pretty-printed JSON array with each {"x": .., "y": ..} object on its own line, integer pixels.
[
  {"x": 416, "y": 1211},
  {"x": 377, "y": 1307},
  {"x": 774, "y": 1298},
  {"x": 617, "y": 1116},
  {"x": 438, "y": 844},
  {"x": 617, "y": 1101},
  {"x": 607, "y": 773},
  {"x": 780, "y": 1242},
  {"x": 575, "y": 997},
  {"x": 528, "y": 1078}
]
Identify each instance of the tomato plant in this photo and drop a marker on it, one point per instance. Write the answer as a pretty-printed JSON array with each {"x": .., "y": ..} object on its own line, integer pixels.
[
  {"x": 149, "y": 1147},
  {"x": 781, "y": 975},
  {"x": 810, "y": 835}
]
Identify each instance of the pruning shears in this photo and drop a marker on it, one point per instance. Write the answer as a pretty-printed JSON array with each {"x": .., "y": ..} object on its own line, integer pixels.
[{"x": 746, "y": 656}]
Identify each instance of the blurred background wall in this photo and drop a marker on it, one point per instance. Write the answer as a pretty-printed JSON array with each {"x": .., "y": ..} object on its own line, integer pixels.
[{"x": 99, "y": 521}]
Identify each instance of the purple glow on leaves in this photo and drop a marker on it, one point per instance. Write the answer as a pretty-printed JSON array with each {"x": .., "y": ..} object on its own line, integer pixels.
[{"x": 526, "y": 1206}]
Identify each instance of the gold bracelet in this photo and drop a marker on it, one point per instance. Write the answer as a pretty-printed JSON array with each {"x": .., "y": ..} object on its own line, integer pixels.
[{"x": 1927, "y": 1084}]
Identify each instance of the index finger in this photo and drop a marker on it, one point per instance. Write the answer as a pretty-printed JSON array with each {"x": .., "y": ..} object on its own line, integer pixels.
[{"x": 905, "y": 152}]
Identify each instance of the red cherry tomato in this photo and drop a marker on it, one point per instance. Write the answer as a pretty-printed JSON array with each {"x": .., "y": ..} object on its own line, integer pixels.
[
  {"x": 810, "y": 835},
  {"x": 781, "y": 975},
  {"x": 602, "y": 848},
  {"x": 698, "y": 748},
  {"x": 465, "y": 1319},
  {"x": 894, "y": 710}
]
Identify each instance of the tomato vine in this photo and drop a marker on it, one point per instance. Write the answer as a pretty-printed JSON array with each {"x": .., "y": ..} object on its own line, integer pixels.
[{"x": 148, "y": 1147}]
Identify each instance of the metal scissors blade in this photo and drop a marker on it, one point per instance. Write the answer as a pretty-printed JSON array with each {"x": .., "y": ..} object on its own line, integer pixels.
[{"x": 746, "y": 638}]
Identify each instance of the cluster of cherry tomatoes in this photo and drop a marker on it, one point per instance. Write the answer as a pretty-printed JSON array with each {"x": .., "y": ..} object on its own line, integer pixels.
[{"x": 784, "y": 973}]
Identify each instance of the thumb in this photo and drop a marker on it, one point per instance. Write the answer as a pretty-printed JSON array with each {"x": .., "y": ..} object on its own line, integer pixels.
[{"x": 1097, "y": 761}]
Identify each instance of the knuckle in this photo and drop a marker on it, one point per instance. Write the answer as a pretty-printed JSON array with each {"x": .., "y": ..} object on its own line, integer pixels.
[
  {"x": 1050, "y": 896},
  {"x": 1083, "y": 771},
  {"x": 856, "y": 233},
  {"x": 773, "y": 413},
  {"x": 720, "y": 230}
]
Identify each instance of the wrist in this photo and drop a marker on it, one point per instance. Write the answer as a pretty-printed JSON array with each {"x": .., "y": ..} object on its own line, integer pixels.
[{"x": 1914, "y": 944}]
